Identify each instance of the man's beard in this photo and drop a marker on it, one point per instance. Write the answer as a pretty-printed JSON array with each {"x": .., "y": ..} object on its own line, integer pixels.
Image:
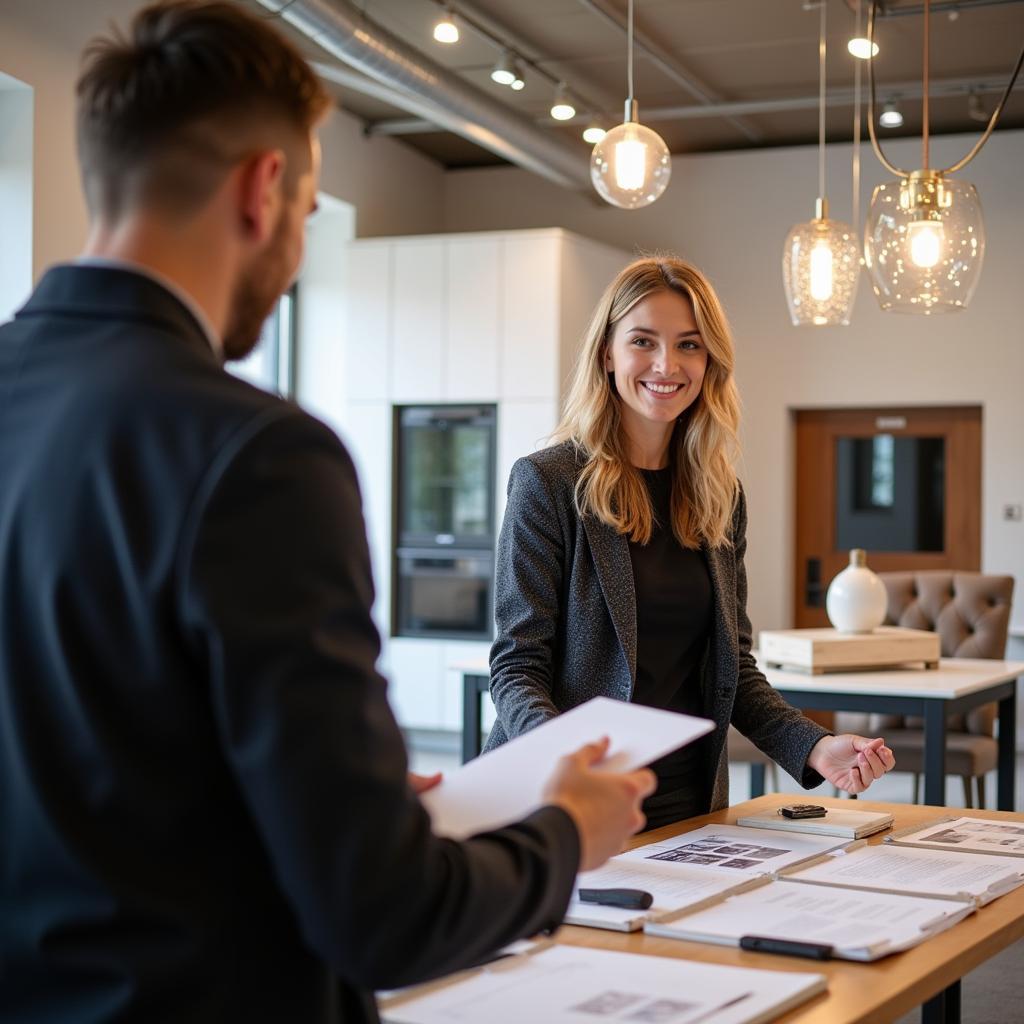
[{"x": 256, "y": 293}]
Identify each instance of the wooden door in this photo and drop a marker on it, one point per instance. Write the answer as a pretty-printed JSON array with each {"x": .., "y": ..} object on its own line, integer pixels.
[{"x": 904, "y": 484}]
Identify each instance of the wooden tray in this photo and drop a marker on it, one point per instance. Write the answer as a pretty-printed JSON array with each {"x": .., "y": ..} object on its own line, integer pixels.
[{"x": 826, "y": 650}]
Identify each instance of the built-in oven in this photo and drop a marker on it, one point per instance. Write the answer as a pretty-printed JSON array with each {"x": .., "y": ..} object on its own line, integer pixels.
[{"x": 444, "y": 521}]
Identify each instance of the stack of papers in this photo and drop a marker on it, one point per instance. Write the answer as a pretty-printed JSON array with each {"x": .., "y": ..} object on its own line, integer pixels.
[
  {"x": 573, "y": 985},
  {"x": 836, "y": 822},
  {"x": 966, "y": 835},
  {"x": 506, "y": 784}
]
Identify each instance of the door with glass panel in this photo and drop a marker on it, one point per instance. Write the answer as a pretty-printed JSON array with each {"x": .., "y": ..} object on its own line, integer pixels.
[{"x": 904, "y": 484}]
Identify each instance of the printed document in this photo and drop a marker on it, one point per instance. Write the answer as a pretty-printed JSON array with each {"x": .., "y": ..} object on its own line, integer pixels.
[
  {"x": 672, "y": 885},
  {"x": 919, "y": 871},
  {"x": 506, "y": 784},
  {"x": 981, "y": 835},
  {"x": 858, "y": 925},
  {"x": 570, "y": 985}
]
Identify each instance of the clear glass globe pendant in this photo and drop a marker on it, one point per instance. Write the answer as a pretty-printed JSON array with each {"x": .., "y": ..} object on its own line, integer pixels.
[
  {"x": 631, "y": 166},
  {"x": 820, "y": 264},
  {"x": 924, "y": 243}
]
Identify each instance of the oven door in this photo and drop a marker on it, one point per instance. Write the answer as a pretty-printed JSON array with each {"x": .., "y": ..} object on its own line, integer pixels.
[{"x": 444, "y": 593}]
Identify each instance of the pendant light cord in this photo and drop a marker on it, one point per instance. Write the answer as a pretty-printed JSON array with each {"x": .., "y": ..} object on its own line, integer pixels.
[
  {"x": 821, "y": 102},
  {"x": 924, "y": 101},
  {"x": 856, "y": 132},
  {"x": 629, "y": 52},
  {"x": 960, "y": 164}
]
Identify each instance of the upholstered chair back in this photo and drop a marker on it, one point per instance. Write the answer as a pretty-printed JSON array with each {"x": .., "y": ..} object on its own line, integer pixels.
[{"x": 971, "y": 613}]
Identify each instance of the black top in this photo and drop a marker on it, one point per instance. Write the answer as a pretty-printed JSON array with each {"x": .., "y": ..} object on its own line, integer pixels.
[
  {"x": 204, "y": 812},
  {"x": 673, "y": 619}
]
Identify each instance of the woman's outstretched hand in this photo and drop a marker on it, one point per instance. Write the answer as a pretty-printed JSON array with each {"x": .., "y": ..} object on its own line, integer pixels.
[{"x": 851, "y": 763}]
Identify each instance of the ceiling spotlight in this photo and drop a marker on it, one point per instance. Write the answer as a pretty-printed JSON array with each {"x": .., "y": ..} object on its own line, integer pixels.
[
  {"x": 562, "y": 108},
  {"x": 862, "y": 48},
  {"x": 519, "y": 82},
  {"x": 446, "y": 31},
  {"x": 504, "y": 72},
  {"x": 890, "y": 117},
  {"x": 593, "y": 133},
  {"x": 975, "y": 108}
]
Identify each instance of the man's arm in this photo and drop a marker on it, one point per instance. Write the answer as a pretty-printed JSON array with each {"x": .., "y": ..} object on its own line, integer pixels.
[{"x": 275, "y": 596}]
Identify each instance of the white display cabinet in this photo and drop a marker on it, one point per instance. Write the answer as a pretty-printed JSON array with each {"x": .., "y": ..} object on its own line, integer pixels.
[{"x": 492, "y": 317}]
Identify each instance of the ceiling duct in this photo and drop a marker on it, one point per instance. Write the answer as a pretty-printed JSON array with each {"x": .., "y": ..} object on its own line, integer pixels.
[{"x": 434, "y": 92}]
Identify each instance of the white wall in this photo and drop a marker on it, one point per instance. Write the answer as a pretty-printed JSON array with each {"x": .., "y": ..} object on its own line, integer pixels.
[
  {"x": 15, "y": 193},
  {"x": 729, "y": 213},
  {"x": 394, "y": 189}
]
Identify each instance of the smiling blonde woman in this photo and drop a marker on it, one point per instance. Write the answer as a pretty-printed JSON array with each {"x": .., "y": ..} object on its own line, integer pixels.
[{"x": 620, "y": 561}]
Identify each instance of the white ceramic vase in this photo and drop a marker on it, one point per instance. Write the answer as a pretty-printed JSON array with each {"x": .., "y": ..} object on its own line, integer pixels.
[{"x": 856, "y": 600}]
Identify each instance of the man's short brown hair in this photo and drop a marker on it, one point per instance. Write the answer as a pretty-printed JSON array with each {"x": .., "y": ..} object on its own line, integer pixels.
[{"x": 164, "y": 112}]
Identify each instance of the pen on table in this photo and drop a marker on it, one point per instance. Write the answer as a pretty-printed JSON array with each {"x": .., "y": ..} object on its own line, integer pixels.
[
  {"x": 788, "y": 947},
  {"x": 624, "y": 899}
]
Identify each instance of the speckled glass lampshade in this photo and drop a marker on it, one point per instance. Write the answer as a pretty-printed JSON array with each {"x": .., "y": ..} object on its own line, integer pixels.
[
  {"x": 820, "y": 264},
  {"x": 924, "y": 243}
]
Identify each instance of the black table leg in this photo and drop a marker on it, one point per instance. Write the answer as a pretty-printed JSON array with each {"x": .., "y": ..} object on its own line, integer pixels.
[
  {"x": 471, "y": 717},
  {"x": 1005, "y": 795},
  {"x": 943, "y": 1008},
  {"x": 934, "y": 752},
  {"x": 756, "y": 780}
]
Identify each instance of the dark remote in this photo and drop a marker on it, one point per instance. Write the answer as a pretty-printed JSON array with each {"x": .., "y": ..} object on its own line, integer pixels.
[{"x": 802, "y": 811}]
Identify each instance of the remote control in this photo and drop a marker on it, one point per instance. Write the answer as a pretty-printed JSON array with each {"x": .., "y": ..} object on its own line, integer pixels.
[{"x": 802, "y": 811}]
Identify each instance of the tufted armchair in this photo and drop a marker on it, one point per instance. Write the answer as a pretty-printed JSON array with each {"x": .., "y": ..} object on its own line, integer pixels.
[{"x": 971, "y": 613}]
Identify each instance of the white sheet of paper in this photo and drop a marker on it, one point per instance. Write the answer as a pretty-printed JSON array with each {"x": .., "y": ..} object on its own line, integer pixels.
[
  {"x": 570, "y": 985},
  {"x": 673, "y": 887},
  {"x": 918, "y": 870},
  {"x": 860, "y": 925},
  {"x": 506, "y": 784},
  {"x": 744, "y": 852}
]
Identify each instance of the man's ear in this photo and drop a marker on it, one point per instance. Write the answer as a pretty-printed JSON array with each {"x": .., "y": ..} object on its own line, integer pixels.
[{"x": 260, "y": 193}]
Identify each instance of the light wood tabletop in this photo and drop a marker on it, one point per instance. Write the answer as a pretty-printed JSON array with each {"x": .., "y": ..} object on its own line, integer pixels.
[{"x": 858, "y": 993}]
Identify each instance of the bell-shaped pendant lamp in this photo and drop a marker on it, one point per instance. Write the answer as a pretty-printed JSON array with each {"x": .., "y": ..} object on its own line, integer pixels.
[
  {"x": 630, "y": 167},
  {"x": 924, "y": 241},
  {"x": 820, "y": 261}
]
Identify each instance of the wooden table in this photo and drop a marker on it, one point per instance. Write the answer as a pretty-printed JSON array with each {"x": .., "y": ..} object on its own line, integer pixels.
[
  {"x": 858, "y": 993},
  {"x": 956, "y": 686}
]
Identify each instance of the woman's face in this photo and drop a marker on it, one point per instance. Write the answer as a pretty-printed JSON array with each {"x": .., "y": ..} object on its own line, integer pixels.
[{"x": 658, "y": 358}]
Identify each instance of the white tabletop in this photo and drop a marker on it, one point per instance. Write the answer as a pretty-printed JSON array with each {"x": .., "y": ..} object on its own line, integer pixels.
[{"x": 955, "y": 677}]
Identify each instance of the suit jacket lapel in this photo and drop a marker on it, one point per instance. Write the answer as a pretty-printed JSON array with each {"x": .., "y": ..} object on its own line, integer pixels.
[{"x": 615, "y": 573}]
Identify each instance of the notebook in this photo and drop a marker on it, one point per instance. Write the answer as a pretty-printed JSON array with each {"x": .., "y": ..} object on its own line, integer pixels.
[{"x": 837, "y": 822}]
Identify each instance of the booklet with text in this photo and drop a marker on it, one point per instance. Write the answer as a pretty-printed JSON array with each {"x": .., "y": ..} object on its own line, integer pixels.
[
  {"x": 568, "y": 985},
  {"x": 816, "y": 921}
]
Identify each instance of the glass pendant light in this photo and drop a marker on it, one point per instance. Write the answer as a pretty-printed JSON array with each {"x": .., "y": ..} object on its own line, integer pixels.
[
  {"x": 630, "y": 166},
  {"x": 924, "y": 242},
  {"x": 820, "y": 262}
]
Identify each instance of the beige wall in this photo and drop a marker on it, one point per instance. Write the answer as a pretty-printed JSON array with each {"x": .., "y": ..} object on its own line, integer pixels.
[
  {"x": 730, "y": 212},
  {"x": 394, "y": 190}
]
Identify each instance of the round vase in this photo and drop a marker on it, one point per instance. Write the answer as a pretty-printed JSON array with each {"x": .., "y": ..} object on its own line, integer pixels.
[{"x": 856, "y": 600}]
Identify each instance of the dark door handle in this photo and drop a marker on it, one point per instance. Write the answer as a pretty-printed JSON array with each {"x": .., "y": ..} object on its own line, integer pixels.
[{"x": 813, "y": 590}]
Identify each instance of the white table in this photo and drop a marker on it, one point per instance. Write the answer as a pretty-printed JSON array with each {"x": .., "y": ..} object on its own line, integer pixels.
[{"x": 956, "y": 686}]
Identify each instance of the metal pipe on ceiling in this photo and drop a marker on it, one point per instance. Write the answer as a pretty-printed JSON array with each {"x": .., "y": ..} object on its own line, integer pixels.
[
  {"x": 670, "y": 65},
  {"x": 432, "y": 91},
  {"x": 836, "y": 98}
]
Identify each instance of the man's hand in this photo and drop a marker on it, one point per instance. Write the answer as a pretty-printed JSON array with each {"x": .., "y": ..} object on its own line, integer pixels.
[
  {"x": 851, "y": 763},
  {"x": 421, "y": 783},
  {"x": 604, "y": 805}
]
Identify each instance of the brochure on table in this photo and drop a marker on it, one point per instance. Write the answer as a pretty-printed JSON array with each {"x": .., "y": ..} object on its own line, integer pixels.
[
  {"x": 966, "y": 835},
  {"x": 689, "y": 869},
  {"x": 507, "y": 784},
  {"x": 843, "y": 923},
  {"x": 916, "y": 871},
  {"x": 559, "y": 984}
]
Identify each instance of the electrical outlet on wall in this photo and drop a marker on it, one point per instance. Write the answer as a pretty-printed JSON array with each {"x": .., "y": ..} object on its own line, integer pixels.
[{"x": 1013, "y": 513}]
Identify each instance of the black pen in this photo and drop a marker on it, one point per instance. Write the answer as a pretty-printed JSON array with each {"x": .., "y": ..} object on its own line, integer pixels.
[
  {"x": 788, "y": 947},
  {"x": 624, "y": 899}
]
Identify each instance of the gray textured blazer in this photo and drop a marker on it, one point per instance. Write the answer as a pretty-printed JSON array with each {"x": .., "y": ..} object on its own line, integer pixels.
[{"x": 565, "y": 610}]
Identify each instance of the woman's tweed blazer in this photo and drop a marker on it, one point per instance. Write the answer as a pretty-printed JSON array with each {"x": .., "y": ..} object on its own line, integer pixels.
[{"x": 565, "y": 610}]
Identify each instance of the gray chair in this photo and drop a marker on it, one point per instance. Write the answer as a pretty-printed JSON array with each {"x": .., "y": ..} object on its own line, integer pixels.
[
  {"x": 742, "y": 751},
  {"x": 971, "y": 613}
]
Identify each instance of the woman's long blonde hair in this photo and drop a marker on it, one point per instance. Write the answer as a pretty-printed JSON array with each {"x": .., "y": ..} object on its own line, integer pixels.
[{"x": 704, "y": 443}]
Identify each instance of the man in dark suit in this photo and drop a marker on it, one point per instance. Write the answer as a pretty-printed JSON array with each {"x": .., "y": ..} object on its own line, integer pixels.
[{"x": 204, "y": 807}]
